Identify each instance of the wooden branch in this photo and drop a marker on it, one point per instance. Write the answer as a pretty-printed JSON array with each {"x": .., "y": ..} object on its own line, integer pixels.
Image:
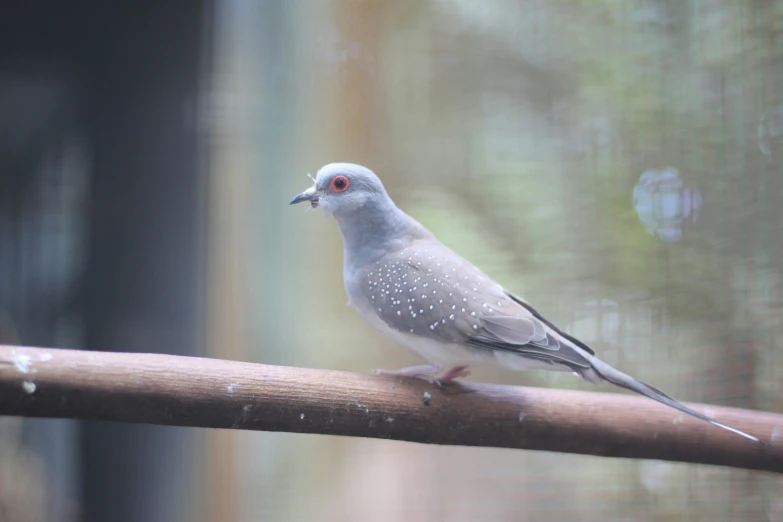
[{"x": 187, "y": 391}]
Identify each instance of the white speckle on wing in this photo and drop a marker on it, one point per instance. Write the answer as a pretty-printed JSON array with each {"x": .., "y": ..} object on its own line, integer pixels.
[
  {"x": 301, "y": 416},
  {"x": 231, "y": 387},
  {"x": 389, "y": 279}
]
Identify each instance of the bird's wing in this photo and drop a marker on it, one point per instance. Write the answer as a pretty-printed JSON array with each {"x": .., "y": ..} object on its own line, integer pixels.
[
  {"x": 552, "y": 327},
  {"x": 428, "y": 290},
  {"x": 524, "y": 334}
]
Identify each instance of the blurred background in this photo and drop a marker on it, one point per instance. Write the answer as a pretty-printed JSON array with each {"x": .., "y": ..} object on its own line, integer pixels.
[{"x": 617, "y": 163}]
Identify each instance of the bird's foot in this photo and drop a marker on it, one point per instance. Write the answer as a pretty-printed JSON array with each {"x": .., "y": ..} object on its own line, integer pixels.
[
  {"x": 419, "y": 372},
  {"x": 425, "y": 372},
  {"x": 453, "y": 373}
]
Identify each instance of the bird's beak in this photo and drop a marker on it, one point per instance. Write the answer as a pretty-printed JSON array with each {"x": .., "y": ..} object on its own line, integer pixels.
[{"x": 310, "y": 195}]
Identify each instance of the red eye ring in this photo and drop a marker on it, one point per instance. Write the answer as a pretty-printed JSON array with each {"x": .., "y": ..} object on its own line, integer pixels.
[{"x": 339, "y": 183}]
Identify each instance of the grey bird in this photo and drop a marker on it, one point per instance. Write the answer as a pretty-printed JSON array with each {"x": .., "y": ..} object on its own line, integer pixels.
[{"x": 415, "y": 290}]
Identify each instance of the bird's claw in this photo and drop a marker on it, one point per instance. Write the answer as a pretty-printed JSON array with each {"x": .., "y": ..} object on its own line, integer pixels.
[{"x": 417, "y": 372}]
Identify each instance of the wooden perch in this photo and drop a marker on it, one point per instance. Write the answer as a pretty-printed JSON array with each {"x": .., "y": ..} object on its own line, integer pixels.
[{"x": 211, "y": 393}]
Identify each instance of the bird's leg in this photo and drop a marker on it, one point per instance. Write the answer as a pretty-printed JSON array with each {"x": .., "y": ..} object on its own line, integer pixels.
[
  {"x": 424, "y": 372},
  {"x": 453, "y": 373},
  {"x": 420, "y": 372}
]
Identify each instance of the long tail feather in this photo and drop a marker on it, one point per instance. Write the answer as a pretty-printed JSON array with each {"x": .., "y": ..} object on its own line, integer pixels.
[{"x": 618, "y": 378}]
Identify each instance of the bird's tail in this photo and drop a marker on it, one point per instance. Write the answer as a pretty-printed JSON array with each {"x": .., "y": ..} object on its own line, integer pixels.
[{"x": 618, "y": 378}]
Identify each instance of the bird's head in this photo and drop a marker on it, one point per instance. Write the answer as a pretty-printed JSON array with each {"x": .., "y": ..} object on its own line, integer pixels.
[
  {"x": 369, "y": 221},
  {"x": 343, "y": 189}
]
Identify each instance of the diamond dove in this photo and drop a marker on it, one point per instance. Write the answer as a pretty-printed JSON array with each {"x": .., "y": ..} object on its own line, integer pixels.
[{"x": 412, "y": 288}]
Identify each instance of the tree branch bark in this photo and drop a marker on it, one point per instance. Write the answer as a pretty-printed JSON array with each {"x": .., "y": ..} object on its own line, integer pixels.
[{"x": 212, "y": 393}]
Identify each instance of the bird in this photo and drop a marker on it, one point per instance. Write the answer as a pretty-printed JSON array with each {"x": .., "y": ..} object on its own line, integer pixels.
[{"x": 421, "y": 294}]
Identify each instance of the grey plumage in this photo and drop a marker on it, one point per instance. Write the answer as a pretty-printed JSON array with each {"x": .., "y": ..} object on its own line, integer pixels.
[{"x": 414, "y": 289}]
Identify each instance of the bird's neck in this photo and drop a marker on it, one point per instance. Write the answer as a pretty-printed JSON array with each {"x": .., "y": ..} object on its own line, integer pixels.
[{"x": 375, "y": 229}]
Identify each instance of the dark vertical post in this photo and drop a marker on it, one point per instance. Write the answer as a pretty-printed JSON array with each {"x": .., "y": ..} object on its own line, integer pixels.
[{"x": 142, "y": 276}]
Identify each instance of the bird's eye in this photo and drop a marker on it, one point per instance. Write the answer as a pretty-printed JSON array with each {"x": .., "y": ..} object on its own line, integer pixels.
[{"x": 339, "y": 184}]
